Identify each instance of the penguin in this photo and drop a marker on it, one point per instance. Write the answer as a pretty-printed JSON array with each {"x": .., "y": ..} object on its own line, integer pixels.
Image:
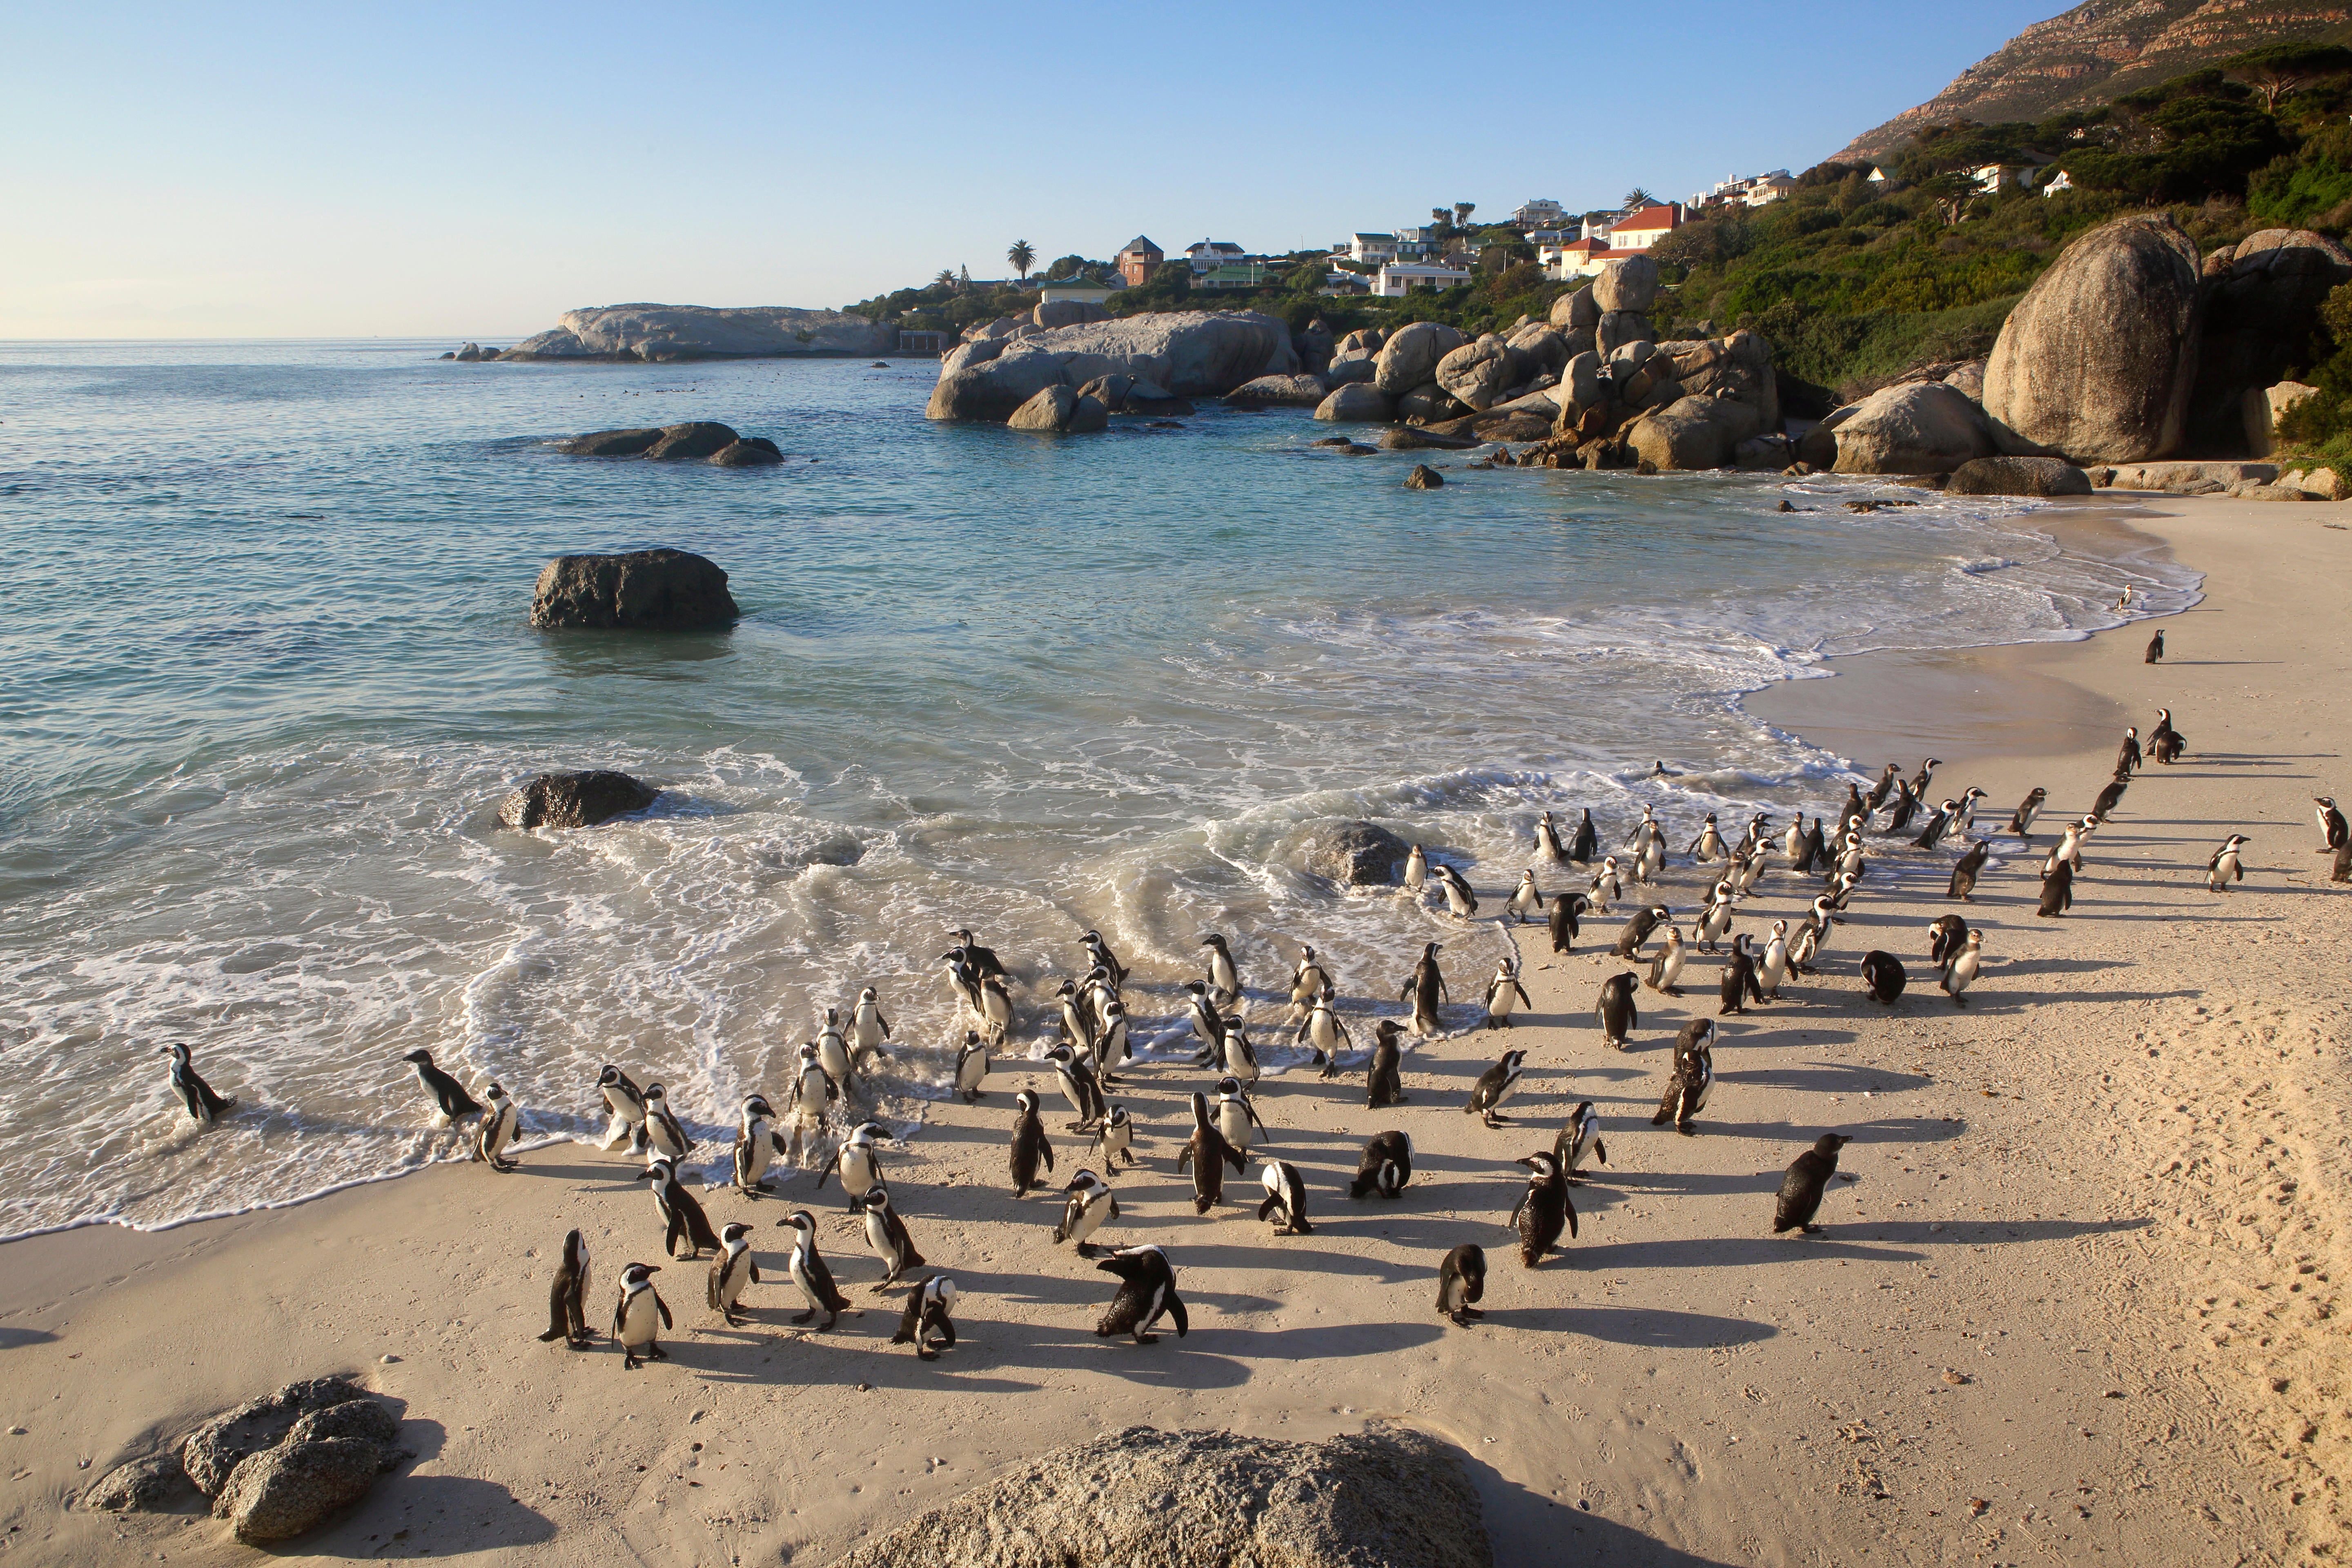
[
  {"x": 1416, "y": 870},
  {"x": 1666, "y": 968},
  {"x": 1223, "y": 978},
  {"x": 1549, "y": 848},
  {"x": 1907, "y": 806},
  {"x": 832, "y": 1049},
  {"x": 2069, "y": 844},
  {"x": 1105, "y": 959},
  {"x": 1801, "y": 1189},
  {"x": 1773, "y": 967},
  {"x": 664, "y": 1134},
  {"x": 1503, "y": 992},
  {"x": 1385, "y": 1166},
  {"x": 2164, "y": 743},
  {"x": 203, "y": 1106},
  {"x": 1738, "y": 986},
  {"x": 1030, "y": 1146},
  {"x": 1526, "y": 896},
  {"x": 634, "y": 1317},
  {"x": 1565, "y": 909},
  {"x": 496, "y": 1130},
  {"x": 2156, "y": 648},
  {"x": 1086, "y": 1209},
  {"x": 809, "y": 1272},
  {"x": 2057, "y": 891},
  {"x": 1147, "y": 1291},
  {"x": 995, "y": 1009},
  {"x": 1963, "y": 885},
  {"x": 1324, "y": 1034},
  {"x": 1425, "y": 989},
  {"x": 1208, "y": 1024},
  {"x": 1579, "y": 1136},
  {"x": 972, "y": 1067},
  {"x": 627, "y": 1102},
  {"x": 1805, "y": 944},
  {"x": 756, "y": 1142},
  {"x": 1747, "y": 871},
  {"x": 733, "y": 1268},
  {"x": 1587, "y": 840},
  {"x": 1618, "y": 1015},
  {"x": 1461, "y": 1284},
  {"x": 2110, "y": 797},
  {"x": 1241, "y": 1056},
  {"x": 1883, "y": 976},
  {"x": 1286, "y": 1199},
  {"x": 964, "y": 982},
  {"x": 857, "y": 1163},
  {"x": 1077, "y": 1024},
  {"x": 927, "y": 1325},
  {"x": 812, "y": 1091},
  {"x": 1715, "y": 920},
  {"x": 981, "y": 961},
  {"x": 887, "y": 1237},
  {"x": 449, "y": 1097},
  {"x": 681, "y": 1212},
  {"x": 1112, "y": 1046},
  {"x": 1708, "y": 845},
  {"x": 1383, "y": 1080},
  {"x": 1850, "y": 860},
  {"x": 567, "y": 1299},
  {"x": 1236, "y": 1117},
  {"x": 1884, "y": 787},
  {"x": 1841, "y": 894},
  {"x": 1309, "y": 978},
  {"x": 1113, "y": 1139},
  {"x": 1636, "y": 931},
  {"x": 1924, "y": 776},
  {"x": 2020, "y": 821},
  {"x": 1692, "y": 1077},
  {"x": 1816, "y": 846},
  {"x": 1208, "y": 1155},
  {"x": 1792, "y": 843},
  {"x": 1542, "y": 1209},
  {"x": 2226, "y": 866},
  {"x": 1639, "y": 837},
  {"x": 1495, "y": 1085},
  {"x": 1938, "y": 822},
  {"x": 1078, "y": 1087},
  {"x": 1650, "y": 860},
  {"x": 1960, "y": 972},
  {"x": 868, "y": 1027},
  {"x": 1964, "y": 821},
  {"x": 2341, "y": 871},
  {"x": 1945, "y": 935},
  {"x": 2333, "y": 832},
  {"x": 1459, "y": 899},
  {"x": 1607, "y": 885}
]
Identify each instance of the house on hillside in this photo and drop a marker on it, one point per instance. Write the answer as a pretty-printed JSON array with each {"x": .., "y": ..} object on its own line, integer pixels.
[
  {"x": 1137, "y": 259},
  {"x": 1541, "y": 212},
  {"x": 2060, "y": 181},
  {"x": 1399, "y": 278},
  {"x": 1994, "y": 178},
  {"x": 1642, "y": 229},
  {"x": 1577, "y": 258},
  {"x": 1207, "y": 253},
  {"x": 1233, "y": 275},
  {"x": 1087, "y": 291},
  {"x": 1373, "y": 248}
]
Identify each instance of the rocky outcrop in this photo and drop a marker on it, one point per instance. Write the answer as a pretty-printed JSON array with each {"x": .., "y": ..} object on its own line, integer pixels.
[
  {"x": 574, "y": 800},
  {"x": 1191, "y": 354},
  {"x": 1344, "y": 370},
  {"x": 1409, "y": 357},
  {"x": 641, "y": 590},
  {"x": 1477, "y": 373},
  {"x": 1060, "y": 410},
  {"x": 1314, "y": 346},
  {"x": 689, "y": 442},
  {"x": 1387, "y": 1498},
  {"x": 1628, "y": 285},
  {"x": 751, "y": 452},
  {"x": 1919, "y": 428},
  {"x": 1051, "y": 313},
  {"x": 1357, "y": 402},
  {"x": 1617, "y": 328},
  {"x": 1357, "y": 854},
  {"x": 1695, "y": 432},
  {"x": 660, "y": 334},
  {"x": 2096, "y": 362},
  {"x": 1580, "y": 309},
  {"x": 1424, "y": 439},
  {"x": 1543, "y": 346},
  {"x": 2185, "y": 478},
  {"x": 215, "y": 1448},
  {"x": 288, "y": 1490},
  {"x": 2017, "y": 476},
  {"x": 1300, "y": 391},
  {"x": 1430, "y": 403},
  {"x": 2262, "y": 314},
  {"x": 1424, "y": 477},
  {"x": 154, "y": 1484}
]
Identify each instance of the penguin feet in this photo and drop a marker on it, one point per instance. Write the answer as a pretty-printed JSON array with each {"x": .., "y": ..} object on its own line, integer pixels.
[
  {"x": 1686, "y": 1128},
  {"x": 628, "y": 1362},
  {"x": 1494, "y": 1120},
  {"x": 1087, "y": 1249},
  {"x": 1144, "y": 1339},
  {"x": 1465, "y": 1316},
  {"x": 1810, "y": 1229},
  {"x": 804, "y": 1316},
  {"x": 654, "y": 1352}
]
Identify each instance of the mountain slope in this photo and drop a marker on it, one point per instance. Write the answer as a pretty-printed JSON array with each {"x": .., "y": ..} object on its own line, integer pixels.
[{"x": 2104, "y": 47}]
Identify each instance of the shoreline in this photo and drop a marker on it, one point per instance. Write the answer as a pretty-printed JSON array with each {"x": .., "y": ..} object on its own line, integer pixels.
[{"x": 1706, "y": 1393}]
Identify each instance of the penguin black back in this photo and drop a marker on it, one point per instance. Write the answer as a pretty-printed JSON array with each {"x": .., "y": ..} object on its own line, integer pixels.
[
  {"x": 1147, "y": 1291},
  {"x": 1030, "y": 1147},
  {"x": 1384, "y": 1081},
  {"x": 2156, "y": 648},
  {"x": 1881, "y": 974},
  {"x": 1964, "y": 875},
  {"x": 1563, "y": 922},
  {"x": 1208, "y": 1154},
  {"x": 1385, "y": 1167},
  {"x": 196, "y": 1094},
  {"x": 1544, "y": 1209},
  {"x": 1802, "y": 1187},
  {"x": 1461, "y": 1284},
  {"x": 2057, "y": 890},
  {"x": 567, "y": 1300}
]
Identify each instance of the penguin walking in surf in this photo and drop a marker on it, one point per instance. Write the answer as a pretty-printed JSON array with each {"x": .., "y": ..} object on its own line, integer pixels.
[
  {"x": 501, "y": 1120},
  {"x": 1459, "y": 899},
  {"x": 928, "y": 1325},
  {"x": 1543, "y": 1210},
  {"x": 868, "y": 1030},
  {"x": 450, "y": 1100},
  {"x": 196, "y": 1097},
  {"x": 1425, "y": 989},
  {"x": 1808, "y": 1177},
  {"x": 1582, "y": 847},
  {"x": 981, "y": 961},
  {"x": 1608, "y": 885},
  {"x": 1224, "y": 977},
  {"x": 1207, "y": 1154},
  {"x": 1461, "y": 1284},
  {"x": 681, "y": 1212},
  {"x": 1208, "y": 1023},
  {"x": 2226, "y": 866},
  {"x": 1616, "y": 1011},
  {"x": 626, "y": 1104},
  {"x": 1503, "y": 992},
  {"x": 640, "y": 1317},
  {"x": 1286, "y": 1199},
  {"x": 1385, "y": 1166},
  {"x": 1104, "y": 958},
  {"x": 1708, "y": 845},
  {"x": 1416, "y": 872},
  {"x": 811, "y": 1274},
  {"x": 1147, "y": 1292},
  {"x": 664, "y": 1134},
  {"x": 812, "y": 1091},
  {"x": 1384, "y": 1079},
  {"x": 1548, "y": 849},
  {"x": 567, "y": 1297},
  {"x": 1579, "y": 1136}
]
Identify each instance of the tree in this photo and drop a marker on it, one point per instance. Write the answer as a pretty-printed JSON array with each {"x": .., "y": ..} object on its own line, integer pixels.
[
  {"x": 1638, "y": 197},
  {"x": 1023, "y": 256},
  {"x": 1461, "y": 211},
  {"x": 2278, "y": 70},
  {"x": 1951, "y": 194},
  {"x": 963, "y": 277},
  {"x": 946, "y": 279}
]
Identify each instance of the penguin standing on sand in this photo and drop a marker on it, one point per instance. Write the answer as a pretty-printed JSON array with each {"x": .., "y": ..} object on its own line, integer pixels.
[
  {"x": 451, "y": 1101},
  {"x": 640, "y": 1317},
  {"x": 1225, "y": 978},
  {"x": 627, "y": 1102},
  {"x": 1113, "y": 1047},
  {"x": 1544, "y": 1209},
  {"x": 1241, "y": 1056},
  {"x": 664, "y": 1131},
  {"x": 733, "y": 1268},
  {"x": 2226, "y": 866},
  {"x": 2333, "y": 832},
  {"x": 2020, "y": 821},
  {"x": 1384, "y": 1079},
  {"x": 1618, "y": 1015},
  {"x": 810, "y": 1275},
  {"x": 857, "y": 1163},
  {"x": 1524, "y": 897},
  {"x": 1579, "y": 1136},
  {"x": 1883, "y": 976},
  {"x": 887, "y": 1237},
  {"x": 203, "y": 1106},
  {"x": 2164, "y": 743},
  {"x": 1086, "y": 1208},
  {"x": 1236, "y": 1117},
  {"x": 496, "y": 1130},
  {"x": 1461, "y": 1284},
  {"x": 567, "y": 1299},
  {"x": 1637, "y": 928},
  {"x": 972, "y": 1067},
  {"x": 1715, "y": 920},
  {"x": 1964, "y": 820},
  {"x": 1773, "y": 967},
  {"x": 2110, "y": 796},
  {"x": 1607, "y": 887},
  {"x": 1322, "y": 1032},
  {"x": 1147, "y": 1291},
  {"x": 1965, "y": 873},
  {"x": 1692, "y": 1077},
  {"x": 1425, "y": 989},
  {"x": 1495, "y": 1085},
  {"x": 1207, "y": 1154},
  {"x": 1945, "y": 934},
  {"x": 2057, "y": 891},
  {"x": 927, "y": 1325},
  {"x": 1503, "y": 992},
  {"x": 1708, "y": 845},
  {"x": 1939, "y": 822},
  {"x": 1114, "y": 1138},
  {"x": 1286, "y": 1199},
  {"x": 1588, "y": 839},
  {"x": 2156, "y": 648},
  {"x": 1667, "y": 967},
  {"x": 1565, "y": 909},
  {"x": 1208, "y": 1023},
  {"x": 681, "y": 1212},
  {"x": 757, "y": 1142},
  {"x": 1385, "y": 1166},
  {"x": 1030, "y": 1147},
  {"x": 1960, "y": 972},
  {"x": 1801, "y": 1189},
  {"x": 1740, "y": 985},
  {"x": 1080, "y": 1088}
]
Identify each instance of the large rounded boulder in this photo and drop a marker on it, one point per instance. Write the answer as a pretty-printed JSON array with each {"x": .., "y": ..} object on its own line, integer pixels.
[
  {"x": 1919, "y": 428},
  {"x": 641, "y": 590},
  {"x": 1301, "y": 391},
  {"x": 2262, "y": 313},
  {"x": 1628, "y": 285},
  {"x": 1357, "y": 402},
  {"x": 573, "y": 800},
  {"x": 2017, "y": 476},
  {"x": 1357, "y": 854},
  {"x": 1475, "y": 373},
  {"x": 1695, "y": 432},
  {"x": 1409, "y": 358},
  {"x": 2096, "y": 361}
]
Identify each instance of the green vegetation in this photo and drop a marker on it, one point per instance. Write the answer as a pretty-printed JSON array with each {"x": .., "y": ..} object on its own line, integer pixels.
[
  {"x": 2320, "y": 427},
  {"x": 1023, "y": 257}
]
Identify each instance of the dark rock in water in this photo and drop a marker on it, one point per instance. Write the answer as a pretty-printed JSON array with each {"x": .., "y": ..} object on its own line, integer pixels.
[
  {"x": 683, "y": 443},
  {"x": 2019, "y": 477},
  {"x": 283, "y": 1492},
  {"x": 221, "y": 1444},
  {"x": 1424, "y": 477},
  {"x": 1389, "y": 1498},
  {"x": 610, "y": 444},
  {"x": 1412, "y": 439},
  {"x": 1357, "y": 854},
  {"x": 879, "y": 364},
  {"x": 643, "y": 590},
  {"x": 574, "y": 800},
  {"x": 751, "y": 452},
  {"x": 153, "y": 1485}
]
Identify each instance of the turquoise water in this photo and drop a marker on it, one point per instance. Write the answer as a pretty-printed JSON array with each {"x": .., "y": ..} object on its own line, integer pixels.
[{"x": 268, "y": 671}]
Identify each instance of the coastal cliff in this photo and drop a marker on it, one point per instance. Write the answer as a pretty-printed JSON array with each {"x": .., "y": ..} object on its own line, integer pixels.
[{"x": 653, "y": 334}]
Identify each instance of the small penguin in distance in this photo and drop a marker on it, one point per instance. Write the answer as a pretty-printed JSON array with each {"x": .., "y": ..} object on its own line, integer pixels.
[
  {"x": 1147, "y": 1292},
  {"x": 1461, "y": 1284},
  {"x": 1808, "y": 1177},
  {"x": 450, "y": 1100},
  {"x": 733, "y": 1268},
  {"x": 810, "y": 1273},
  {"x": 203, "y": 1106},
  {"x": 927, "y": 1325},
  {"x": 2156, "y": 648},
  {"x": 2226, "y": 865},
  {"x": 496, "y": 1130},
  {"x": 1385, "y": 1167},
  {"x": 1030, "y": 1146},
  {"x": 1495, "y": 1085},
  {"x": 1543, "y": 1209},
  {"x": 639, "y": 1316},
  {"x": 567, "y": 1297},
  {"x": 2020, "y": 821},
  {"x": 1286, "y": 1199},
  {"x": 1616, "y": 1010},
  {"x": 1883, "y": 976}
]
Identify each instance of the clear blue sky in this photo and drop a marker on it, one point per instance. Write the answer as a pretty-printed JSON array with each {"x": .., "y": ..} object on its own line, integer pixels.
[{"x": 318, "y": 171}]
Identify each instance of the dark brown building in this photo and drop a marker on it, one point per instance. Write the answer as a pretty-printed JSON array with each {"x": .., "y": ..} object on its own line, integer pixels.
[{"x": 1138, "y": 259}]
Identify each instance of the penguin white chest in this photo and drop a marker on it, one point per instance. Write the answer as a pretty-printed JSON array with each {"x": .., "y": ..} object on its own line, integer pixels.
[
  {"x": 642, "y": 1320},
  {"x": 1234, "y": 1124}
]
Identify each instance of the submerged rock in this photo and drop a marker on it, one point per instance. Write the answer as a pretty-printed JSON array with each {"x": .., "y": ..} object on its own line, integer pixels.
[
  {"x": 641, "y": 590},
  {"x": 2019, "y": 477},
  {"x": 1357, "y": 854},
  {"x": 1424, "y": 477},
  {"x": 574, "y": 800}
]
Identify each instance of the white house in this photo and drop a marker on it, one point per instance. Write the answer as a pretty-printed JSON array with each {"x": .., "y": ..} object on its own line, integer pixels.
[
  {"x": 1401, "y": 278},
  {"x": 1213, "y": 253},
  {"x": 1371, "y": 247},
  {"x": 1541, "y": 212},
  {"x": 1640, "y": 230},
  {"x": 1995, "y": 177},
  {"x": 1578, "y": 258},
  {"x": 2060, "y": 181},
  {"x": 1089, "y": 290}
]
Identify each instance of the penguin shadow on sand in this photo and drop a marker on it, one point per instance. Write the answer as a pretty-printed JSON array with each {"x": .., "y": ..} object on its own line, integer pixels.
[
  {"x": 1527, "y": 1527},
  {"x": 1841, "y": 1240},
  {"x": 1989, "y": 1230},
  {"x": 1823, "y": 1077}
]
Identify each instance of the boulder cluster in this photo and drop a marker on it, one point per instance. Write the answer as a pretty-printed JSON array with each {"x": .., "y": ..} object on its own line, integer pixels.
[
  {"x": 699, "y": 440},
  {"x": 1071, "y": 376},
  {"x": 273, "y": 1468}
]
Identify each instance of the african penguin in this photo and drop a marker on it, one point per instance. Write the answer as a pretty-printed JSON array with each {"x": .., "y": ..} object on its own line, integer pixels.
[
  {"x": 195, "y": 1095},
  {"x": 1883, "y": 976},
  {"x": 496, "y": 1130},
  {"x": 1030, "y": 1147},
  {"x": 1286, "y": 1199},
  {"x": 2333, "y": 832},
  {"x": 1524, "y": 897},
  {"x": 1809, "y": 1174},
  {"x": 1692, "y": 1077},
  {"x": 1459, "y": 899},
  {"x": 1208, "y": 1154},
  {"x": 868, "y": 1027},
  {"x": 1773, "y": 967},
  {"x": 1708, "y": 845},
  {"x": 640, "y": 1317},
  {"x": 1078, "y": 1087},
  {"x": 1236, "y": 1117},
  {"x": 627, "y": 1102},
  {"x": 2057, "y": 891},
  {"x": 1385, "y": 1166},
  {"x": 757, "y": 1142},
  {"x": 2020, "y": 821},
  {"x": 1086, "y": 1209},
  {"x": 887, "y": 1237},
  {"x": 1740, "y": 985},
  {"x": 1588, "y": 839},
  {"x": 1503, "y": 992},
  {"x": 1425, "y": 989},
  {"x": 972, "y": 1067},
  {"x": 1965, "y": 873},
  {"x": 1637, "y": 928},
  {"x": 450, "y": 1099},
  {"x": 1322, "y": 1032},
  {"x": 927, "y": 1325},
  {"x": 1461, "y": 1284},
  {"x": 1495, "y": 1085},
  {"x": 1667, "y": 967},
  {"x": 1565, "y": 909},
  {"x": 1113, "y": 1139},
  {"x": 681, "y": 1212},
  {"x": 1383, "y": 1079},
  {"x": 809, "y": 1272},
  {"x": 1543, "y": 1209},
  {"x": 1416, "y": 870},
  {"x": 1147, "y": 1291},
  {"x": 1223, "y": 978},
  {"x": 2226, "y": 866},
  {"x": 1579, "y": 1136},
  {"x": 1943, "y": 938},
  {"x": 856, "y": 1161},
  {"x": 1547, "y": 845},
  {"x": 1960, "y": 972},
  {"x": 983, "y": 960},
  {"x": 1618, "y": 1015},
  {"x": 733, "y": 1268},
  {"x": 2156, "y": 648},
  {"x": 567, "y": 1297},
  {"x": 662, "y": 1130}
]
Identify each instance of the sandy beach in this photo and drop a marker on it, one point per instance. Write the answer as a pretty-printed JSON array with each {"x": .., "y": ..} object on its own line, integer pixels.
[{"x": 2076, "y": 1302}]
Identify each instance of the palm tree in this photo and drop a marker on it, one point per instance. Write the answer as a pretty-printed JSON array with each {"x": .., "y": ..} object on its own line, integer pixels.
[
  {"x": 1023, "y": 257},
  {"x": 1638, "y": 197},
  {"x": 946, "y": 279}
]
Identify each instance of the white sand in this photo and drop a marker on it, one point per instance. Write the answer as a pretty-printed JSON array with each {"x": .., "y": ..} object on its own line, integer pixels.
[{"x": 2078, "y": 1302}]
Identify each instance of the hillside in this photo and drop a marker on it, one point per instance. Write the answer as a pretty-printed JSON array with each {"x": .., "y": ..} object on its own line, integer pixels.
[{"x": 2104, "y": 47}]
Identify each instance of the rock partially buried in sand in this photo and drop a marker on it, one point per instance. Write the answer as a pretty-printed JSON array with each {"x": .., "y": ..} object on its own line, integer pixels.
[
  {"x": 221, "y": 1444},
  {"x": 1424, "y": 477},
  {"x": 152, "y": 1484},
  {"x": 641, "y": 590},
  {"x": 283, "y": 1492},
  {"x": 574, "y": 800},
  {"x": 1207, "y": 1499},
  {"x": 1357, "y": 854}
]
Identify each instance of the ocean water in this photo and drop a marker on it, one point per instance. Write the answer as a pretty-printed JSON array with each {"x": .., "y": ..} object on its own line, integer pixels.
[{"x": 268, "y": 670}]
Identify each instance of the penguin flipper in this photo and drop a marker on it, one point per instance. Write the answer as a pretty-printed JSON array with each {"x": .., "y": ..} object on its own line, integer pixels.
[
  {"x": 1184, "y": 1158},
  {"x": 663, "y": 1307},
  {"x": 1267, "y": 1207},
  {"x": 1516, "y": 1209},
  {"x": 755, "y": 1270},
  {"x": 1236, "y": 1159},
  {"x": 1599, "y": 1152},
  {"x": 1570, "y": 1208},
  {"x": 1176, "y": 1315}
]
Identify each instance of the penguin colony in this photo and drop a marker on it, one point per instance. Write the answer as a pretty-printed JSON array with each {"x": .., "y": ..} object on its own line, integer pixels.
[{"x": 1091, "y": 1025}]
